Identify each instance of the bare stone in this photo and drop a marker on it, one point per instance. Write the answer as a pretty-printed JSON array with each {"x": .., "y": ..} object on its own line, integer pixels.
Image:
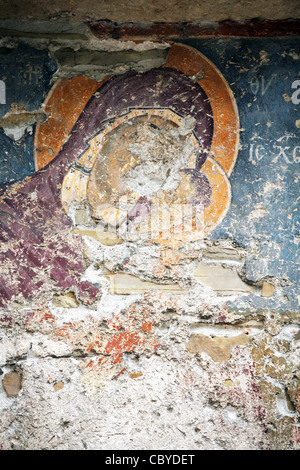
[
  {"x": 223, "y": 280},
  {"x": 219, "y": 252},
  {"x": 125, "y": 284},
  {"x": 12, "y": 384},
  {"x": 228, "y": 383},
  {"x": 58, "y": 386},
  {"x": 67, "y": 300},
  {"x": 106, "y": 238},
  {"x": 135, "y": 375},
  {"x": 267, "y": 289},
  {"x": 69, "y": 57},
  {"x": 218, "y": 348}
]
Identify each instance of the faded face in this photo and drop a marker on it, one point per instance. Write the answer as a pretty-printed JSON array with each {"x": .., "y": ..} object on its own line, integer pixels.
[{"x": 143, "y": 158}]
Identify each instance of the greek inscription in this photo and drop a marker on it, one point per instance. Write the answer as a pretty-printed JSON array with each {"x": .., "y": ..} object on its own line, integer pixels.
[
  {"x": 31, "y": 75},
  {"x": 296, "y": 154},
  {"x": 284, "y": 154},
  {"x": 259, "y": 85},
  {"x": 255, "y": 152},
  {"x": 281, "y": 153}
]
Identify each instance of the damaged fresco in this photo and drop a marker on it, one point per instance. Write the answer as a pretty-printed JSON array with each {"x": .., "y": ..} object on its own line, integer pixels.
[
  {"x": 149, "y": 247},
  {"x": 32, "y": 211}
]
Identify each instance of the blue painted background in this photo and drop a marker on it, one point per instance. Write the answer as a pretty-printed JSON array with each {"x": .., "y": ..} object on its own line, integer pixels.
[
  {"x": 266, "y": 176},
  {"x": 26, "y": 73}
]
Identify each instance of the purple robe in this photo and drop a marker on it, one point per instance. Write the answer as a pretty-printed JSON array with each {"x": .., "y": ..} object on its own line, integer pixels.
[{"x": 38, "y": 254}]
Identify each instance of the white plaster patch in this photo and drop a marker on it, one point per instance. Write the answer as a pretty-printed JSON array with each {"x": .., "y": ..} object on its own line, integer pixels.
[
  {"x": 114, "y": 45},
  {"x": 289, "y": 332},
  {"x": 111, "y": 305},
  {"x": 225, "y": 330}
]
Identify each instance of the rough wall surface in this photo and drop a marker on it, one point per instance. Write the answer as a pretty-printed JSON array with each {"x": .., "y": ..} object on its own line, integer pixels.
[
  {"x": 142, "y": 11},
  {"x": 149, "y": 279}
]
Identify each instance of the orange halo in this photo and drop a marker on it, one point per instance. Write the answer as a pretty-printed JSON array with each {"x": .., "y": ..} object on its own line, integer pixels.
[
  {"x": 224, "y": 147},
  {"x": 64, "y": 104},
  {"x": 68, "y": 98}
]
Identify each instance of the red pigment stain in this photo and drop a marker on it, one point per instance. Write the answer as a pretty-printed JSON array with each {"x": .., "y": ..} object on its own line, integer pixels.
[
  {"x": 48, "y": 316},
  {"x": 65, "y": 330},
  {"x": 43, "y": 315},
  {"x": 115, "y": 323},
  {"x": 122, "y": 342},
  {"x": 96, "y": 345},
  {"x": 121, "y": 372},
  {"x": 297, "y": 434},
  {"x": 146, "y": 326}
]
